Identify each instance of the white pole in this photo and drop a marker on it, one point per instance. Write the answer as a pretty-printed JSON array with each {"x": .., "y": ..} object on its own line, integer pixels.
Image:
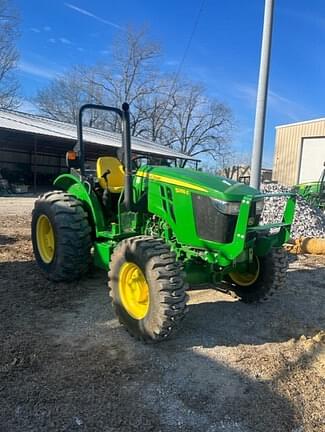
[{"x": 257, "y": 152}]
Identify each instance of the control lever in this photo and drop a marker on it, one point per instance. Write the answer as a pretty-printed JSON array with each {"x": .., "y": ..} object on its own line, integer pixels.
[{"x": 105, "y": 175}]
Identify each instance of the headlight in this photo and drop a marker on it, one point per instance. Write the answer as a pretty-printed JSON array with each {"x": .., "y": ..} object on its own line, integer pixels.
[
  {"x": 259, "y": 206},
  {"x": 226, "y": 207}
]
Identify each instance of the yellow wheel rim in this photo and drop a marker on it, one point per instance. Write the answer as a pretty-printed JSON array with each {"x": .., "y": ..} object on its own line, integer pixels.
[
  {"x": 133, "y": 290},
  {"x": 45, "y": 239},
  {"x": 247, "y": 278}
]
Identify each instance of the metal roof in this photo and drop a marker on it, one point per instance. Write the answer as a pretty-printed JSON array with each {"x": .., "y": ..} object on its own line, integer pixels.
[
  {"x": 41, "y": 126},
  {"x": 300, "y": 123}
]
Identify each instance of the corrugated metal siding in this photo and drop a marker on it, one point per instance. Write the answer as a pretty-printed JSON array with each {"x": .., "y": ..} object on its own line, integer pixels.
[{"x": 288, "y": 149}]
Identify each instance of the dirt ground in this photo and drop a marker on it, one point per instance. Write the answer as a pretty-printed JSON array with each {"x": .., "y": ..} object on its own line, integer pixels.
[{"x": 67, "y": 365}]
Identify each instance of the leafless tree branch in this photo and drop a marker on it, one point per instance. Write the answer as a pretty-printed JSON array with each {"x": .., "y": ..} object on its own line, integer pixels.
[
  {"x": 179, "y": 116},
  {"x": 8, "y": 56}
]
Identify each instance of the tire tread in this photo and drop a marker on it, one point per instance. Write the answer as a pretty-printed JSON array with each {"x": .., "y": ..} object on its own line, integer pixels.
[
  {"x": 73, "y": 232},
  {"x": 171, "y": 288}
]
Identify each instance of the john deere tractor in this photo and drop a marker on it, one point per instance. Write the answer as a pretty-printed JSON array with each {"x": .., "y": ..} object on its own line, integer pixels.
[{"x": 157, "y": 230}]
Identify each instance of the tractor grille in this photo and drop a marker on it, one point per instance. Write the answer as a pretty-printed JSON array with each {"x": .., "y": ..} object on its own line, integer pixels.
[{"x": 210, "y": 223}]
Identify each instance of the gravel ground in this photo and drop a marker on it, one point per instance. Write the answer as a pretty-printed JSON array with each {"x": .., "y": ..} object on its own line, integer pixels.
[
  {"x": 67, "y": 365},
  {"x": 16, "y": 206}
]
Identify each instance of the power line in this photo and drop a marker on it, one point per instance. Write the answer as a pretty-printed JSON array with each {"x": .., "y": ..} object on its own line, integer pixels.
[
  {"x": 174, "y": 82},
  {"x": 188, "y": 45}
]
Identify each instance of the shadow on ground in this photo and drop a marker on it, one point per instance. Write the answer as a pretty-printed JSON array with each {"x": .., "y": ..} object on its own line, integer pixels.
[
  {"x": 213, "y": 318},
  {"x": 67, "y": 365},
  {"x": 7, "y": 240}
]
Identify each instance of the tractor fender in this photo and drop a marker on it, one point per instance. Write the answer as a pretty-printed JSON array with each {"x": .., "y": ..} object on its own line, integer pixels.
[{"x": 83, "y": 192}]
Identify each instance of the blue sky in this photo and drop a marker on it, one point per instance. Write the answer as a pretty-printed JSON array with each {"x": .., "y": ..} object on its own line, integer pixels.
[{"x": 224, "y": 53}]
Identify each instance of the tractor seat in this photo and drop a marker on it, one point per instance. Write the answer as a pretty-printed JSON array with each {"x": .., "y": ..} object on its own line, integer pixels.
[{"x": 115, "y": 178}]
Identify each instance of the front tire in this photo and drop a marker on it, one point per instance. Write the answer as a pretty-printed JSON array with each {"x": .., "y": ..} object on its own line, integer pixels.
[
  {"x": 272, "y": 271},
  {"x": 147, "y": 288},
  {"x": 61, "y": 236}
]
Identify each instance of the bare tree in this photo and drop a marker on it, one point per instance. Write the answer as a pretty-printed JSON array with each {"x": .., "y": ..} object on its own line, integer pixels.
[
  {"x": 130, "y": 76},
  {"x": 234, "y": 165},
  {"x": 63, "y": 97},
  {"x": 8, "y": 55},
  {"x": 200, "y": 126},
  {"x": 156, "y": 111},
  {"x": 173, "y": 112}
]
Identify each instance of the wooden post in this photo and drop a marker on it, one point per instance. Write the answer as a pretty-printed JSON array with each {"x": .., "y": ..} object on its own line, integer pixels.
[{"x": 35, "y": 165}]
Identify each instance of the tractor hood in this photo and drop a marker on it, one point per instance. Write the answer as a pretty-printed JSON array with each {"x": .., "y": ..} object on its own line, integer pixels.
[{"x": 199, "y": 182}]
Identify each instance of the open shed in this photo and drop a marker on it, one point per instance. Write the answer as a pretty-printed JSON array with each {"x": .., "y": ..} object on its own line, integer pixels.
[{"x": 33, "y": 148}]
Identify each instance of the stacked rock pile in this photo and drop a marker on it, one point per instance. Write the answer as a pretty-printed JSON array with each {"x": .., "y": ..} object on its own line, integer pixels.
[{"x": 309, "y": 221}]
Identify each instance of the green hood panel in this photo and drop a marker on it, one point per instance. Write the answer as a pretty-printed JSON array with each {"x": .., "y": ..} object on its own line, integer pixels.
[{"x": 197, "y": 181}]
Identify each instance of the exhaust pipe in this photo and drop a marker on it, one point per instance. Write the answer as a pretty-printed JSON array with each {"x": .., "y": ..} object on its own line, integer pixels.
[{"x": 126, "y": 142}]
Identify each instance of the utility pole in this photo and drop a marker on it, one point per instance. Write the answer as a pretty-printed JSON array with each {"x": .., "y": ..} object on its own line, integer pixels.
[{"x": 257, "y": 151}]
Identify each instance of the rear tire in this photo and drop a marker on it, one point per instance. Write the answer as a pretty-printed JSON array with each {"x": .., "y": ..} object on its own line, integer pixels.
[
  {"x": 69, "y": 256},
  {"x": 165, "y": 304},
  {"x": 272, "y": 276}
]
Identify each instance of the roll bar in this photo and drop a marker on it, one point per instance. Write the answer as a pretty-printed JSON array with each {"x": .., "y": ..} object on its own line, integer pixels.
[{"x": 124, "y": 115}]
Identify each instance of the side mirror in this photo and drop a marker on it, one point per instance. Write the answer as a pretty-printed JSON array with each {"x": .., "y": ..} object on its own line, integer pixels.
[{"x": 72, "y": 159}]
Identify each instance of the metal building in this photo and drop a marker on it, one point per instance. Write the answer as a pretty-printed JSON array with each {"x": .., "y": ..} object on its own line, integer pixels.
[
  {"x": 33, "y": 148},
  {"x": 299, "y": 152}
]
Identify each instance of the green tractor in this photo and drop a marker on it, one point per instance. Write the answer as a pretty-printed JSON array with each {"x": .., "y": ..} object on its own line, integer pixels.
[
  {"x": 157, "y": 230},
  {"x": 313, "y": 192}
]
